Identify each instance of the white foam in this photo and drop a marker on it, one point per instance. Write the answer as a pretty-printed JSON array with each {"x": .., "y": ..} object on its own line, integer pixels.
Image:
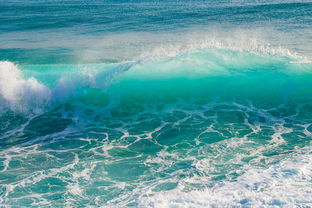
[
  {"x": 19, "y": 93},
  {"x": 286, "y": 184}
]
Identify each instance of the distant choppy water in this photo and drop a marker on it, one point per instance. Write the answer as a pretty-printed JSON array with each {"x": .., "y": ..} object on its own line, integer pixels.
[{"x": 155, "y": 103}]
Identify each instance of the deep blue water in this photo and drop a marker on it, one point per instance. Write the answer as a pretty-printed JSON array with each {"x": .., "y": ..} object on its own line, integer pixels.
[{"x": 155, "y": 103}]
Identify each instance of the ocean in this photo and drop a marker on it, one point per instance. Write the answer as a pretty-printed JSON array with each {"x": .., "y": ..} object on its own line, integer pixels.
[{"x": 156, "y": 104}]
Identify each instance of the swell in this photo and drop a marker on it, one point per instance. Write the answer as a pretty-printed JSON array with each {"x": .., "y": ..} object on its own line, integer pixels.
[{"x": 203, "y": 73}]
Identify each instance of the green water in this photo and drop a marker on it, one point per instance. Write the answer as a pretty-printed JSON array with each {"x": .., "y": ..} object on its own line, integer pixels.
[{"x": 146, "y": 133}]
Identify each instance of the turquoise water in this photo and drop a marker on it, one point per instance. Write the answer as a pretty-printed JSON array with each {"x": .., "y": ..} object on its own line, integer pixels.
[{"x": 155, "y": 103}]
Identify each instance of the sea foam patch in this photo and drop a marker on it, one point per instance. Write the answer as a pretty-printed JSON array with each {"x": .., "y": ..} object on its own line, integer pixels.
[{"x": 286, "y": 184}]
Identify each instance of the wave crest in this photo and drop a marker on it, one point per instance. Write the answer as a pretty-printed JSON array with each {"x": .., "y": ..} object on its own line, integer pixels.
[{"x": 19, "y": 93}]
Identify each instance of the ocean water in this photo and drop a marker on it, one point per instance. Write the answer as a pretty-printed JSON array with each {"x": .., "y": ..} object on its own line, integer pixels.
[{"x": 145, "y": 103}]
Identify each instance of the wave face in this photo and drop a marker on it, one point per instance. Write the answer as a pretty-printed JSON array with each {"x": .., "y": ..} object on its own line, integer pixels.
[
  {"x": 153, "y": 103},
  {"x": 209, "y": 127}
]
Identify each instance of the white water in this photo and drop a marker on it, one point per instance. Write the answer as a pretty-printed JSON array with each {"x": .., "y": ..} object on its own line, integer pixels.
[
  {"x": 19, "y": 93},
  {"x": 286, "y": 184}
]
